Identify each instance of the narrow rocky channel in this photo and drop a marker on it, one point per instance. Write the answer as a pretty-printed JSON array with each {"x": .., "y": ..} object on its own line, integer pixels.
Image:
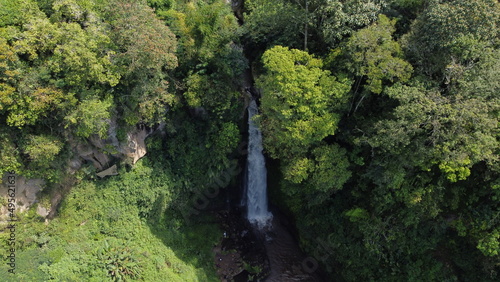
[
  {"x": 287, "y": 261},
  {"x": 250, "y": 253}
]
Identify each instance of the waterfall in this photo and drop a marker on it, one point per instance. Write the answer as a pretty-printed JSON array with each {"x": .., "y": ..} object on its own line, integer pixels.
[{"x": 256, "y": 190}]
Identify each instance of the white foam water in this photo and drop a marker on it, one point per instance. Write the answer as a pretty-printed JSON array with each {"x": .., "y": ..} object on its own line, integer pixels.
[{"x": 256, "y": 197}]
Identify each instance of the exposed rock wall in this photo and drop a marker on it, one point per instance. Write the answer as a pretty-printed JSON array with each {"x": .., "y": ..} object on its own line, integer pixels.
[
  {"x": 103, "y": 154},
  {"x": 26, "y": 194}
]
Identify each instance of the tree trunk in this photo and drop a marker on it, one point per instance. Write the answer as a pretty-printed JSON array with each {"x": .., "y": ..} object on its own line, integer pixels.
[{"x": 306, "y": 24}]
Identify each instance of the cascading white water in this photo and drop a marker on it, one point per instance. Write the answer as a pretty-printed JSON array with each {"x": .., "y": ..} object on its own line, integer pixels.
[{"x": 256, "y": 201}]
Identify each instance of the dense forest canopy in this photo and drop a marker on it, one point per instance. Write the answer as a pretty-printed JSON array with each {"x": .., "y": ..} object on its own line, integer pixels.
[{"x": 381, "y": 117}]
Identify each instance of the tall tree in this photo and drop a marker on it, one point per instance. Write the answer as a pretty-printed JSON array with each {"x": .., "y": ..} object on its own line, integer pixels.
[
  {"x": 145, "y": 52},
  {"x": 375, "y": 57},
  {"x": 210, "y": 59},
  {"x": 434, "y": 33},
  {"x": 299, "y": 99},
  {"x": 338, "y": 19},
  {"x": 268, "y": 23}
]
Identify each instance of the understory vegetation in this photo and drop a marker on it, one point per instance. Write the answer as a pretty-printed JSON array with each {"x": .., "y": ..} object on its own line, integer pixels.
[
  {"x": 380, "y": 119},
  {"x": 122, "y": 228}
]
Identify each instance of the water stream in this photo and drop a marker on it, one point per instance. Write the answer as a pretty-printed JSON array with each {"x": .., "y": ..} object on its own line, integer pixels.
[
  {"x": 285, "y": 258},
  {"x": 256, "y": 190},
  {"x": 267, "y": 242}
]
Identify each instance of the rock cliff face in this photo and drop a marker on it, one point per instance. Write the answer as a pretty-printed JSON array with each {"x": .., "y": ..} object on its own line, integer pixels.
[
  {"x": 103, "y": 154},
  {"x": 135, "y": 147},
  {"x": 100, "y": 152},
  {"x": 25, "y": 191}
]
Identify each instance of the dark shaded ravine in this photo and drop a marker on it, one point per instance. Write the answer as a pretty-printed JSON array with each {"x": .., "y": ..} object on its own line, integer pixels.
[
  {"x": 248, "y": 254},
  {"x": 245, "y": 252},
  {"x": 287, "y": 261}
]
